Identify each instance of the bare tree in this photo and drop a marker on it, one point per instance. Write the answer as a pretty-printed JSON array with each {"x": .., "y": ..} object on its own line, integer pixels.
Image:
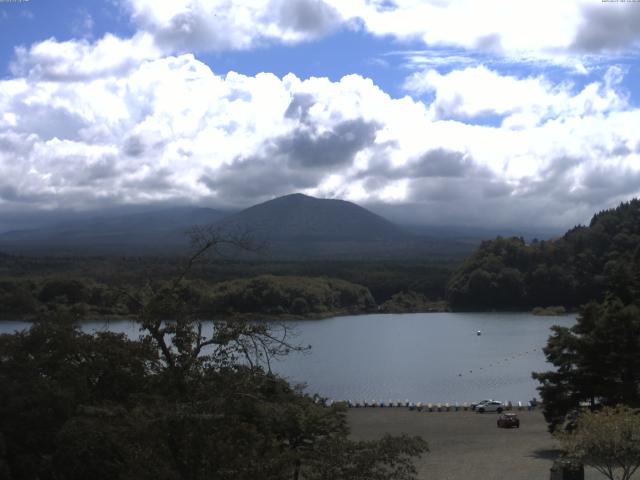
[{"x": 171, "y": 319}]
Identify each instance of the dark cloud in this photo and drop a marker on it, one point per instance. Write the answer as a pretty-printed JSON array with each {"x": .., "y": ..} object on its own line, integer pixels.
[
  {"x": 9, "y": 193},
  {"x": 496, "y": 189},
  {"x": 138, "y": 146},
  {"x": 448, "y": 107},
  {"x": 12, "y": 194},
  {"x": 601, "y": 182},
  {"x": 372, "y": 184},
  {"x": 199, "y": 29},
  {"x": 160, "y": 180},
  {"x": 16, "y": 144},
  {"x": 567, "y": 190},
  {"x": 475, "y": 200},
  {"x": 299, "y": 107},
  {"x": 556, "y": 181},
  {"x": 195, "y": 30},
  {"x": 312, "y": 17},
  {"x": 257, "y": 178},
  {"x": 306, "y": 148},
  {"x": 47, "y": 121},
  {"x": 621, "y": 150},
  {"x": 97, "y": 171},
  {"x": 608, "y": 27},
  {"x": 436, "y": 163},
  {"x": 437, "y": 190},
  {"x": 491, "y": 43},
  {"x": 188, "y": 30},
  {"x": 8, "y": 145},
  {"x": 476, "y": 187},
  {"x": 293, "y": 162},
  {"x": 442, "y": 163},
  {"x": 133, "y": 146}
]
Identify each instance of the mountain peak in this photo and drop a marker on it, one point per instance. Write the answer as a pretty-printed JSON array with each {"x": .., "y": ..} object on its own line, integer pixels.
[
  {"x": 298, "y": 216},
  {"x": 296, "y": 224},
  {"x": 296, "y": 195}
]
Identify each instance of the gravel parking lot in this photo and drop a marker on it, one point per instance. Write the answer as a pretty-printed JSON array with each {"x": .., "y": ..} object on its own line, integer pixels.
[{"x": 467, "y": 445}]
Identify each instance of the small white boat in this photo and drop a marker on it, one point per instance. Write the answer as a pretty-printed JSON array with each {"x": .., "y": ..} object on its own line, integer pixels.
[{"x": 479, "y": 332}]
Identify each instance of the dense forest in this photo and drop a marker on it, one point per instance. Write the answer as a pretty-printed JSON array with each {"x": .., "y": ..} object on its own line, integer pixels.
[
  {"x": 178, "y": 403},
  {"x": 583, "y": 265},
  {"x": 172, "y": 405},
  {"x": 503, "y": 274},
  {"x": 273, "y": 295},
  {"x": 266, "y": 295},
  {"x": 92, "y": 286}
]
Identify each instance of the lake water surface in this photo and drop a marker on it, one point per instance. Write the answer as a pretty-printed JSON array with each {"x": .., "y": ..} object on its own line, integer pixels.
[{"x": 434, "y": 357}]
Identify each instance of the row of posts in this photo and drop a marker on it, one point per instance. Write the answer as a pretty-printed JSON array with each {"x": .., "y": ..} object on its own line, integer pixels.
[{"x": 431, "y": 407}]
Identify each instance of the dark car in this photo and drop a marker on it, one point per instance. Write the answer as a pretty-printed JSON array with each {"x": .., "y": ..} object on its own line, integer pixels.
[{"x": 509, "y": 420}]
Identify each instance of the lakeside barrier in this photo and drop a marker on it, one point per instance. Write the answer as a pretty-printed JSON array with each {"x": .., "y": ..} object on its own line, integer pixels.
[{"x": 428, "y": 406}]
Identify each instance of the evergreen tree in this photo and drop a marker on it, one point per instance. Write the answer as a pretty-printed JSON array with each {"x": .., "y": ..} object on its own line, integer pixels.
[{"x": 597, "y": 361}]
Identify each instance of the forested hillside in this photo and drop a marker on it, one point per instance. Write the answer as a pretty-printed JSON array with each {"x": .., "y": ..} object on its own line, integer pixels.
[{"x": 582, "y": 265}]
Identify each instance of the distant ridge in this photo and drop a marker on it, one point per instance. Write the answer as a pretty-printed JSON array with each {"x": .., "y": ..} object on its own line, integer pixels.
[
  {"x": 152, "y": 232},
  {"x": 294, "y": 227}
]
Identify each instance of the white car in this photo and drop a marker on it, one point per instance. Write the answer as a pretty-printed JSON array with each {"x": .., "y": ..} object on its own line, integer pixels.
[
  {"x": 475, "y": 405},
  {"x": 492, "y": 406}
]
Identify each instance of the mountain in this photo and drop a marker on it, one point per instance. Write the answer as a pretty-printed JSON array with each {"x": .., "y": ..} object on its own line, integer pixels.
[
  {"x": 300, "y": 218},
  {"x": 149, "y": 232},
  {"x": 294, "y": 227},
  {"x": 300, "y": 227}
]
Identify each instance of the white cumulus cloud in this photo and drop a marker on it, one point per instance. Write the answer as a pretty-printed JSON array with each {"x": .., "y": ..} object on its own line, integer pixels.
[
  {"x": 80, "y": 128},
  {"x": 211, "y": 25},
  {"x": 81, "y": 59},
  {"x": 545, "y": 30},
  {"x": 480, "y": 91}
]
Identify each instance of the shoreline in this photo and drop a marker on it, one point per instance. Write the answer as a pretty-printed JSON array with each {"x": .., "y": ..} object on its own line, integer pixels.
[{"x": 256, "y": 317}]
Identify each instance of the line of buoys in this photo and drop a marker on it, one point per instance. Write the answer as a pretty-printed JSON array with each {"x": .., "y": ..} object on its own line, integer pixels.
[
  {"x": 428, "y": 406},
  {"x": 498, "y": 362}
]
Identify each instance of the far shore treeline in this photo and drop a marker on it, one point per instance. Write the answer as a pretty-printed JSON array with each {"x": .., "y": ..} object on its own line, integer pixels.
[
  {"x": 91, "y": 287},
  {"x": 503, "y": 274}
]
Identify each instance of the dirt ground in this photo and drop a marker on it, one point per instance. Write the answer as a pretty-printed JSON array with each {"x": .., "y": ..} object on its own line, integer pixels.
[{"x": 467, "y": 445}]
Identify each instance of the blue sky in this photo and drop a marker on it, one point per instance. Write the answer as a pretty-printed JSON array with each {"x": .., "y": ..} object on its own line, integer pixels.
[{"x": 431, "y": 111}]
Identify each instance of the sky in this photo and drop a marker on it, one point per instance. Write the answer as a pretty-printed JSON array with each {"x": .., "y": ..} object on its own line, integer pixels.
[{"x": 442, "y": 112}]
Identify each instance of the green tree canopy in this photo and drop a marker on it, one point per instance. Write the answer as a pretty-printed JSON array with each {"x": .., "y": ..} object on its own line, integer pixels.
[
  {"x": 597, "y": 361},
  {"x": 177, "y": 404},
  {"x": 608, "y": 440},
  {"x": 583, "y": 265}
]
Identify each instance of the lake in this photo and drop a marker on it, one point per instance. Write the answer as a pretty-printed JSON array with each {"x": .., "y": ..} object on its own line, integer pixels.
[{"x": 428, "y": 357}]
